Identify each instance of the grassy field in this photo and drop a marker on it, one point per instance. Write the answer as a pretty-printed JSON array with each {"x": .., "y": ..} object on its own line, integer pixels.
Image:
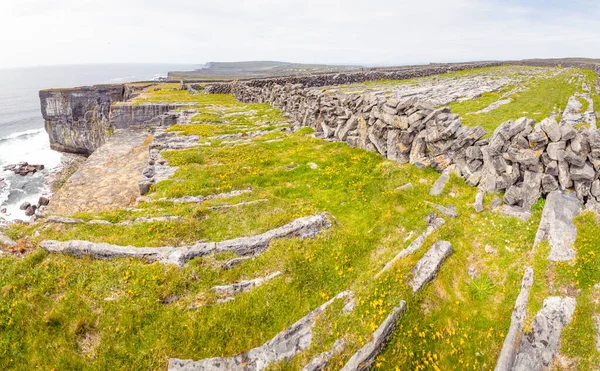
[
  {"x": 540, "y": 97},
  {"x": 60, "y": 312}
]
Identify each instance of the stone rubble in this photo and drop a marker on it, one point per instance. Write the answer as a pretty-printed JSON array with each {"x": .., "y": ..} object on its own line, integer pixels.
[
  {"x": 283, "y": 346},
  {"x": 364, "y": 358},
  {"x": 508, "y": 353},
  {"x": 415, "y": 245},
  {"x": 557, "y": 225},
  {"x": 537, "y": 349},
  {"x": 23, "y": 168},
  {"x": 427, "y": 268},
  {"x": 306, "y": 227}
]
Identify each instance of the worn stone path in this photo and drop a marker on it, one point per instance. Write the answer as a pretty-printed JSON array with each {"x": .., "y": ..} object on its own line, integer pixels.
[{"x": 108, "y": 179}]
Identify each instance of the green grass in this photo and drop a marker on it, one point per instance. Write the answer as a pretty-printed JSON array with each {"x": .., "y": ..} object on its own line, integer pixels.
[
  {"x": 50, "y": 303},
  {"x": 542, "y": 96}
]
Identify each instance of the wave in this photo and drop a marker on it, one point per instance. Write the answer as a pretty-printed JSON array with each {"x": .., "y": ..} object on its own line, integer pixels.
[{"x": 22, "y": 134}]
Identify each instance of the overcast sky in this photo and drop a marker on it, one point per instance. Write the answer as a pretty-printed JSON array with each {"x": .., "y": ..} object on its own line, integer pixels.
[{"x": 45, "y": 32}]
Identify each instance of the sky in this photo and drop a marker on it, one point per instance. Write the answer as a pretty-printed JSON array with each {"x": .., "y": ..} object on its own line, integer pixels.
[{"x": 373, "y": 32}]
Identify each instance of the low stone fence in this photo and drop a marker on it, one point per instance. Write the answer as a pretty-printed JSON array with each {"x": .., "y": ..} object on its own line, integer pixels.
[{"x": 524, "y": 159}]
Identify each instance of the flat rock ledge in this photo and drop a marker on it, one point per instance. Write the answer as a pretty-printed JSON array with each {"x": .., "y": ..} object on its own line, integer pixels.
[
  {"x": 557, "y": 225},
  {"x": 364, "y": 358},
  {"x": 426, "y": 269},
  {"x": 414, "y": 246},
  {"x": 284, "y": 345},
  {"x": 537, "y": 349},
  {"x": 306, "y": 227},
  {"x": 508, "y": 353}
]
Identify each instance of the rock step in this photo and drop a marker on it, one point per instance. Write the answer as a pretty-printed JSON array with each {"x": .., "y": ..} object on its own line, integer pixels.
[
  {"x": 244, "y": 246},
  {"x": 364, "y": 358},
  {"x": 283, "y": 346},
  {"x": 414, "y": 246},
  {"x": 557, "y": 225},
  {"x": 508, "y": 353}
]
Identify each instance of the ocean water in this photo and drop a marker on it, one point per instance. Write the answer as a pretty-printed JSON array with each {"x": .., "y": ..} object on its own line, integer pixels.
[{"x": 22, "y": 134}]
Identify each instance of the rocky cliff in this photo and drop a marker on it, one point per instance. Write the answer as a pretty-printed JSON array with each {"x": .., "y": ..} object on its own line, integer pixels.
[{"x": 77, "y": 120}]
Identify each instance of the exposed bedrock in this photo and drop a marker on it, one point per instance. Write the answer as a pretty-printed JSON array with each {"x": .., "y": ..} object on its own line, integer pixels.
[
  {"x": 365, "y": 357},
  {"x": 285, "y": 345},
  {"x": 557, "y": 225},
  {"x": 306, "y": 227},
  {"x": 538, "y": 348},
  {"x": 507, "y": 356}
]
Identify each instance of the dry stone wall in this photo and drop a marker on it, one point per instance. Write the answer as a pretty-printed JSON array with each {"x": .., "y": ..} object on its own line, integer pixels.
[{"x": 524, "y": 158}]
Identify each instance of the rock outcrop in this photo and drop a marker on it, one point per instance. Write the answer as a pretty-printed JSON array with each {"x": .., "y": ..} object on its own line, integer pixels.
[
  {"x": 365, "y": 357},
  {"x": 557, "y": 225},
  {"x": 538, "y": 348},
  {"x": 246, "y": 247},
  {"x": 507, "y": 356},
  {"x": 77, "y": 120}
]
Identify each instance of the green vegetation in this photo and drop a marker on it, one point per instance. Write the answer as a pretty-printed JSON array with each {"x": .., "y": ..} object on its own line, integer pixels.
[
  {"x": 541, "y": 96},
  {"x": 60, "y": 312}
]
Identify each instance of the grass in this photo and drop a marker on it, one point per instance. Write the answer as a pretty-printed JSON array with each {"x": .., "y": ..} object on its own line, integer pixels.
[
  {"x": 543, "y": 95},
  {"x": 137, "y": 314}
]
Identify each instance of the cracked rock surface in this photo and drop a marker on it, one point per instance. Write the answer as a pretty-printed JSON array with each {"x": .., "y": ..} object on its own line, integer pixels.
[{"x": 538, "y": 348}]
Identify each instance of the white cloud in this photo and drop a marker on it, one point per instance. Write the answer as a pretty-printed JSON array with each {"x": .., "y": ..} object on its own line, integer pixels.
[{"x": 45, "y": 32}]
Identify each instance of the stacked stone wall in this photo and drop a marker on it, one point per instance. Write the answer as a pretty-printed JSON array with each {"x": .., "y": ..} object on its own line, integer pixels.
[{"x": 523, "y": 158}]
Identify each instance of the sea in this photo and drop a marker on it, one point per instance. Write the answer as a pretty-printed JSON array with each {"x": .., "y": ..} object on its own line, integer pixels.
[{"x": 22, "y": 134}]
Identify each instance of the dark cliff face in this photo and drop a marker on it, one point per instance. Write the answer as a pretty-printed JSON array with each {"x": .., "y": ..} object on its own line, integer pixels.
[{"x": 77, "y": 120}]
